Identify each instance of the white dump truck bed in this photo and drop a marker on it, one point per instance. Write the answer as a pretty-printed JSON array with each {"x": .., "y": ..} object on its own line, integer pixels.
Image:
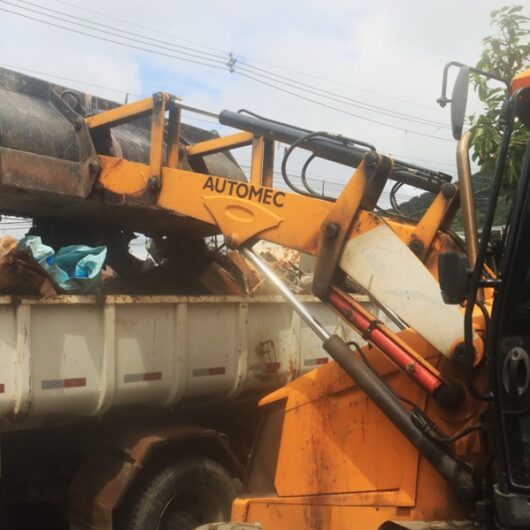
[{"x": 72, "y": 356}]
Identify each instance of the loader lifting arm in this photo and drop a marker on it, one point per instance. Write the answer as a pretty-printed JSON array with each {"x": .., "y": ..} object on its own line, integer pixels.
[
  {"x": 382, "y": 255},
  {"x": 138, "y": 166}
]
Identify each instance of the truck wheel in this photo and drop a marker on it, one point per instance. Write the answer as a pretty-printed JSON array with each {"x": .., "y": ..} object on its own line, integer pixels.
[{"x": 182, "y": 496}]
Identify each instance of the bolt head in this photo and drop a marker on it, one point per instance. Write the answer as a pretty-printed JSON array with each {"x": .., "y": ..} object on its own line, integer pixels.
[
  {"x": 154, "y": 183},
  {"x": 331, "y": 230},
  {"x": 448, "y": 190},
  {"x": 416, "y": 246},
  {"x": 370, "y": 159},
  {"x": 93, "y": 167},
  {"x": 319, "y": 290},
  {"x": 78, "y": 123}
]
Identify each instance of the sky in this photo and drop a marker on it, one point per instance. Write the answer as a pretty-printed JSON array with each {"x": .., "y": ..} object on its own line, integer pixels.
[{"x": 373, "y": 61}]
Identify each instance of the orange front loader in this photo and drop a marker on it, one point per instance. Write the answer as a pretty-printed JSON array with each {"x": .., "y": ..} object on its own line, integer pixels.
[
  {"x": 398, "y": 434},
  {"x": 368, "y": 438}
]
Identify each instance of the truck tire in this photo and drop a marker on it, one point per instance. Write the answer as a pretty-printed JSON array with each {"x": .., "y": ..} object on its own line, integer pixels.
[{"x": 181, "y": 496}]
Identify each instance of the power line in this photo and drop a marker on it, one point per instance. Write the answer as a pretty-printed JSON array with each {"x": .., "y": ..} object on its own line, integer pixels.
[
  {"x": 210, "y": 64},
  {"x": 126, "y": 45},
  {"x": 190, "y": 118},
  {"x": 220, "y": 55},
  {"x": 322, "y": 104},
  {"x": 240, "y": 57},
  {"x": 345, "y": 99},
  {"x": 71, "y": 80},
  {"x": 107, "y": 16},
  {"x": 279, "y": 78},
  {"x": 339, "y": 83},
  {"x": 207, "y": 55},
  {"x": 198, "y": 54},
  {"x": 96, "y": 85},
  {"x": 105, "y": 32},
  {"x": 222, "y": 59}
]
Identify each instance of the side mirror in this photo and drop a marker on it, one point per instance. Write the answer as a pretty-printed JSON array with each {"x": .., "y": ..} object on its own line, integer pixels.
[
  {"x": 453, "y": 272},
  {"x": 459, "y": 96},
  {"x": 459, "y": 102}
]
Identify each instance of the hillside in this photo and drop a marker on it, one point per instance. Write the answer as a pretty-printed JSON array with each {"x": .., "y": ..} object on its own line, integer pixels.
[{"x": 416, "y": 206}]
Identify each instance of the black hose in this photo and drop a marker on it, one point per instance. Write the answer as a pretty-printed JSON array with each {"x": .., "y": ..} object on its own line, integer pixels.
[
  {"x": 286, "y": 156},
  {"x": 304, "y": 178},
  {"x": 376, "y": 373}
]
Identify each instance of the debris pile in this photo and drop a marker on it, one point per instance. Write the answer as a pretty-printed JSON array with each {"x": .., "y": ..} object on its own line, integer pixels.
[
  {"x": 286, "y": 263},
  {"x": 173, "y": 266},
  {"x": 21, "y": 274}
]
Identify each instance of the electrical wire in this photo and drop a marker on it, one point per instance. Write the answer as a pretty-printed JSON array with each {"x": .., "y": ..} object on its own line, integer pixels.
[
  {"x": 195, "y": 58},
  {"x": 343, "y": 99},
  {"x": 332, "y": 107},
  {"x": 69, "y": 79},
  {"x": 114, "y": 28},
  {"x": 123, "y": 44},
  {"x": 157, "y": 31},
  {"x": 192, "y": 52},
  {"x": 111, "y": 33},
  {"x": 241, "y": 58}
]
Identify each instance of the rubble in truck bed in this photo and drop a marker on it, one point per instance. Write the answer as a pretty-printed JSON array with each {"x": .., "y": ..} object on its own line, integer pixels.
[
  {"x": 79, "y": 241},
  {"x": 49, "y": 160},
  {"x": 35, "y": 265}
]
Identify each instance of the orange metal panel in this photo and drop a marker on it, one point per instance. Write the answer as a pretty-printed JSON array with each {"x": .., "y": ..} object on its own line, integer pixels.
[
  {"x": 344, "y": 443},
  {"x": 120, "y": 114},
  {"x": 173, "y": 136},
  {"x": 299, "y": 217},
  {"x": 268, "y": 164},
  {"x": 521, "y": 80},
  {"x": 156, "y": 158},
  {"x": 428, "y": 226},
  {"x": 216, "y": 145},
  {"x": 341, "y": 461},
  {"x": 256, "y": 164}
]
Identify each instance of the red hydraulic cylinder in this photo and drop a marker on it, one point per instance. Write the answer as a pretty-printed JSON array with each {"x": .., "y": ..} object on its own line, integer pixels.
[{"x": 382, "y": 339}]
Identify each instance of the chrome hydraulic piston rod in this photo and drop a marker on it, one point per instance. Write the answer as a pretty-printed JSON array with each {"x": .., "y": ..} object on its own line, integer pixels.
[{"x": 375, "y": 388}]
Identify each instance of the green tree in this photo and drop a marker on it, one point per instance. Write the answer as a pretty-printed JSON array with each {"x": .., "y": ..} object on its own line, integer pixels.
[{"x": 505, "y": 53}]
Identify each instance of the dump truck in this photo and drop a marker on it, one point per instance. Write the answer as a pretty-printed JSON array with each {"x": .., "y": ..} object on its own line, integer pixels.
[
  {"x": 102, "y": 391},
  {"x": 425, "y": 426},
  {"x": 123, "y": 384}
]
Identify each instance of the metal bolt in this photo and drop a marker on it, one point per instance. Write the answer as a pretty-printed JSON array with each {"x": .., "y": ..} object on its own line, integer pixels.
[
  {"x": 370, "y": 159},
  {"x": 78, "y": 123},
  {"x": 331, "y": 230},
  {"x": 319, "y": 290},
  {"x": 460, "y": 353},
  {"x": 157, "y": 97},
  {"x": 93, "y": 167},
  {"x": 154, "y": 183},
  {"x": 416, "y": 246},
  {"x": 448, "y": 190},
  {"x": 464, "y": 491}
]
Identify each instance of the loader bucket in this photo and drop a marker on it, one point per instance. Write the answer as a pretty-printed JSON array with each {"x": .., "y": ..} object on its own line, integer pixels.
[{"x": 49, "y": 162}]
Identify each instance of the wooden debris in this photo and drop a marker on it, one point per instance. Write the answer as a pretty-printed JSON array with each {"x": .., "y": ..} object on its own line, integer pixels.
[
  {"x": 21, "y": 274},
  {"x": 217, "y": 280}
]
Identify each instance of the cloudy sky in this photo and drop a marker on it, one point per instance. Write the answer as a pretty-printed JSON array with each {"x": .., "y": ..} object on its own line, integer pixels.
[{"x": 371, "y": 68}]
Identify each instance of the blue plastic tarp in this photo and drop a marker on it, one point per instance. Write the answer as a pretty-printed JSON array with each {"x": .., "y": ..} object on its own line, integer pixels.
[{"x": 76, "y": 268}]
